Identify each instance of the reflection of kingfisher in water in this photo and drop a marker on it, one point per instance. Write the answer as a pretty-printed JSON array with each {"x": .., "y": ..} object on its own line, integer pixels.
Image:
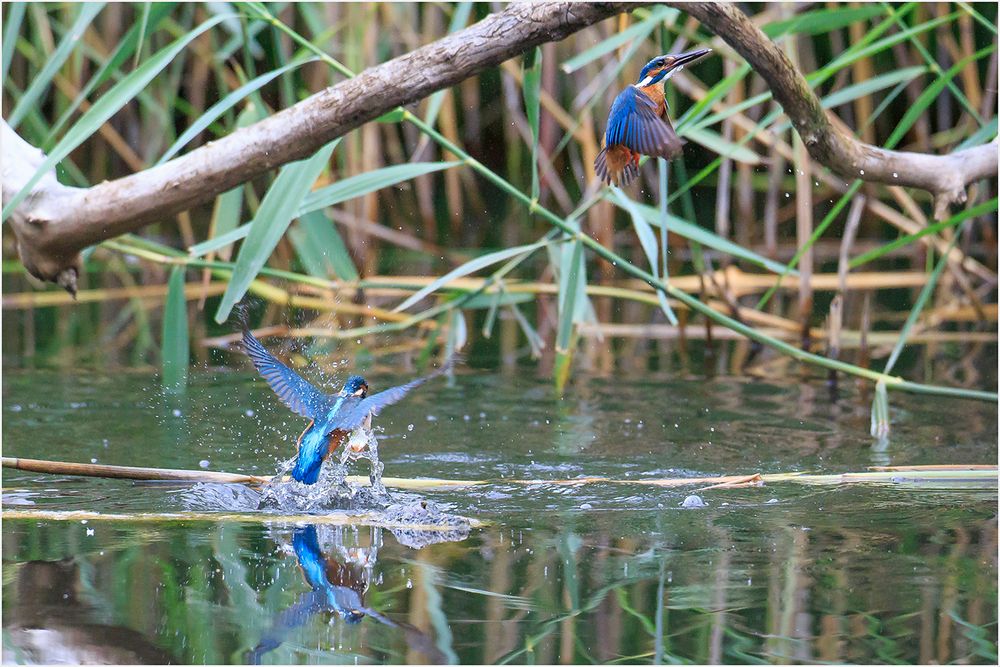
[
  {"x": 334, "y": 420},
  {"x": 337, "y": 588}
]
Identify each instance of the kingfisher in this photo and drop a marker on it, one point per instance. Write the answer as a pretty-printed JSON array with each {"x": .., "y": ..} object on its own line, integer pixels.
[
  {"x": 333, "y": 420},
  {"x": 638, "y": 122}
]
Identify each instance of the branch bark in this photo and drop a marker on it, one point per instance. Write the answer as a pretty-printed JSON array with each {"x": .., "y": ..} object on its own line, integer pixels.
[
  {"x": 56, "y": 222},
  {"x": 944, "y": 176}
]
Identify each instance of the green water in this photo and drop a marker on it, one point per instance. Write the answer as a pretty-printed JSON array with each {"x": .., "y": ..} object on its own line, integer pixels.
[{"x": 591, "y": 573}]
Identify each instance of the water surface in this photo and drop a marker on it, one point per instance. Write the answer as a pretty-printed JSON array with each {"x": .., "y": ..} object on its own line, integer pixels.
[{"x": 558, "y": 574}]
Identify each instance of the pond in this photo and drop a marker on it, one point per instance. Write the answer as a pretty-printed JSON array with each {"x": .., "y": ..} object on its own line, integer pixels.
[{"x": 594, "y": 572}]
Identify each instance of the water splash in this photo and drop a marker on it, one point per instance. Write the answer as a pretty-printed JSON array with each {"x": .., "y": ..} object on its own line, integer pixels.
[{"x": 332, "y": 490}]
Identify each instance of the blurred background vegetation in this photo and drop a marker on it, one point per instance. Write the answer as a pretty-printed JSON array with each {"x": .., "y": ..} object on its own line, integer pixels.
[{"x": 423, "y": 210}]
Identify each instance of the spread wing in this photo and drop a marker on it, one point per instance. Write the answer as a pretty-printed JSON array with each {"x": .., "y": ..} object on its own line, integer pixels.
[
  {"x": 300, "y": 396},
  {"x": 634, "y": 122},
  {"x": 354, "y": 416}
]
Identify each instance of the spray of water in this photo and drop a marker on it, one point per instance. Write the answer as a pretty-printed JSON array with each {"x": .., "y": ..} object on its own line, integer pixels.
[{"x": 331, "y": 491}]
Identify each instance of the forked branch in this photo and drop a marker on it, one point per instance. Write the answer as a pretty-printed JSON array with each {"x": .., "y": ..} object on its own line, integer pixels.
[{"x": 944, "y": 176}]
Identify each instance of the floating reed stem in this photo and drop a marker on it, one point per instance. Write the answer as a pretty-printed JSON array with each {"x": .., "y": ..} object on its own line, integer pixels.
[
  {"x": 331, "y": 519},
  {"x": 974, "y": 473}
]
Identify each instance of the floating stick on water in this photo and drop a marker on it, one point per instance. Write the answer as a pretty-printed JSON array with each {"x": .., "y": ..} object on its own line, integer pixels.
[{"x": 974, "y": 474}]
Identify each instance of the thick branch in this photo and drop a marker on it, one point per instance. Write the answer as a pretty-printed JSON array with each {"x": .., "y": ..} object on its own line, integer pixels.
[
  {"x": 944, "y": 176},
  {"x": 56, "y": 222}
]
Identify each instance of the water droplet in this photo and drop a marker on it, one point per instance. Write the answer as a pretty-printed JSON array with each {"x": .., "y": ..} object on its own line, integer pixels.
[
  {"x": 93, "y": 460},
  {"x": 249, "y": 413},
  {"x": 586, "y": 506},
  {"x": 692, "y": 502},
  {"x": 203, "y": 463},
  {"x": 176, "y": 412},
  {"x": 862, "y": 172},
  {"x": 409, "y": 427}
]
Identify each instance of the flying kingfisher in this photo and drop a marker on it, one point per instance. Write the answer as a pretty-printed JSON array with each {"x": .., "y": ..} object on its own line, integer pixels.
[
  {"x": 638, "y": 122},
  {"x": 345, "y": 416}
]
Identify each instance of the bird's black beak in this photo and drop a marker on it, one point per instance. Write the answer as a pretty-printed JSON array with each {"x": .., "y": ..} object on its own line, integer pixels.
[{"x": 685, "y": 59}]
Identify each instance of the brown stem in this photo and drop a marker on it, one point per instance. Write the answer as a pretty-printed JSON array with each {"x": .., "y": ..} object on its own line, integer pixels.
[
  {"x": 944, "y": 176},
  {"x": 56, "y": 222}
]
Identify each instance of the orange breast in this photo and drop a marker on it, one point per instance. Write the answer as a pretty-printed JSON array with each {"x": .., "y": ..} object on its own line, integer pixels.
[{"x": 655, "y": 93}]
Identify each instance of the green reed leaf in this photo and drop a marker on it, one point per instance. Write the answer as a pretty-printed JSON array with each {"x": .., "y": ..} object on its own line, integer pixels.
[
  {"x": 334, "y": 194},
  {"x": 42, "y": 81},
  {"x": 176, "y": 348},
  {"x": 467, "y": 268},
  {"x": 280, "y": 205},
  {"x": 981, "y": 209},
  {"x": 225, "y": 104},
  {"x": 106, "y": 106}
]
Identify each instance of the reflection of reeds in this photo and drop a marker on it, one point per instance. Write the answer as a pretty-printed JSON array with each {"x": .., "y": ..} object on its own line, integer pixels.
[{"x": 899, "y": 76}]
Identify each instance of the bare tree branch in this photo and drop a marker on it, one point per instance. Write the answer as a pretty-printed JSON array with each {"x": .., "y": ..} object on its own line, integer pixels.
[
  {"x": 56, "y": 222},
  {"x": 944, "y": 176}
]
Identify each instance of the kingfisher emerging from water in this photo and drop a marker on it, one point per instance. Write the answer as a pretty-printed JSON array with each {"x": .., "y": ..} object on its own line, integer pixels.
[
  {"x": 334, "y": 420},
  {"x": 638, "y": 123}
]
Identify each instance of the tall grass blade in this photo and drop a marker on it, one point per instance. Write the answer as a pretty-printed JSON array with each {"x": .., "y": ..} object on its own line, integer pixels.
[
  {"x": 714, "y": 142},
  {"x": 871, "y": 86},
  {"x": 458, "y": 21},
  {"x": 465, "y": 269},
  {"x": 175, "y": 350},
  {"x": 880, "y": 412},
  {"x": 822, "y": 20},
  {"x": 534, "y": 340},
  {"x": 127, "y": 46},
  {"x": 571, "y": 274},
  {"x": 210, "y": 115},
  {"x": 981, "y": 209},
  {"x": 43, "y": 80},
  {"x": 458, "y": 333},
  {"x": 983, "y": 135},
  {"x": 663, "y": 171},
  {"x": 143, "y": 23},
  {"x": 15, "y": 17},
  {"x": 693, "y": 232},
  {"x": 918, "y": 306},
  {"x": 532, "y": 94},
  {"x": 639, "y": 31},
  {"x": 280, "y": 205},
  {"x": 322, "y": 234},
  {"x": 106, "y": 106},
  {"x": 931, "y": 93},
  {"x": 334, "y": 194}
]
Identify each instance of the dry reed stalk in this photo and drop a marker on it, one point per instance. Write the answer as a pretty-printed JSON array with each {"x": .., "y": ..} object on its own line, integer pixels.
[
  {"x": 329, "y": 519},
  {"x": 158, "y": 292},
  {"x": 975, "y": 472}
]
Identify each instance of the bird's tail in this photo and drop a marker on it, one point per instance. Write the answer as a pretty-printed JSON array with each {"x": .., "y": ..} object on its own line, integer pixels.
[
  {"x": 306, "y": 472},
  {"x": 619, "y": 172}
]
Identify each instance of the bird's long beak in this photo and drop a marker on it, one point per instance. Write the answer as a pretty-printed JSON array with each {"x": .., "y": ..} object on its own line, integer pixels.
[{"x": 685, "y": 59}]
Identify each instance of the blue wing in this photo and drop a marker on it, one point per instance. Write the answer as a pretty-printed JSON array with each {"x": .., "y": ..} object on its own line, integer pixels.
[
  {"x": 634, "y": 122},
  {"x": 300, "y": 396},
  {"x": 353, "y": 417}
]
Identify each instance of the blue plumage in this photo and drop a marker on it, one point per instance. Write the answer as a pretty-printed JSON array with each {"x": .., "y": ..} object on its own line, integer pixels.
[
  {"x": 333, "y": 418},
  {"x": 635, "y": 122},
  {"x": 638, "y": 123}
]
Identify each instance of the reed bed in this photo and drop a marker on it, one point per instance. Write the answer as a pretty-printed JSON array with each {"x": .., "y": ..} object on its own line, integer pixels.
[{"x": 474, "y": 218}]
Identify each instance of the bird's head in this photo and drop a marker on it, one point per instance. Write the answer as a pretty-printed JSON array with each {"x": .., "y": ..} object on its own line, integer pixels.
[
  {"x": 355, "y": 386},
  {"x": 662, "y": 68}
]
